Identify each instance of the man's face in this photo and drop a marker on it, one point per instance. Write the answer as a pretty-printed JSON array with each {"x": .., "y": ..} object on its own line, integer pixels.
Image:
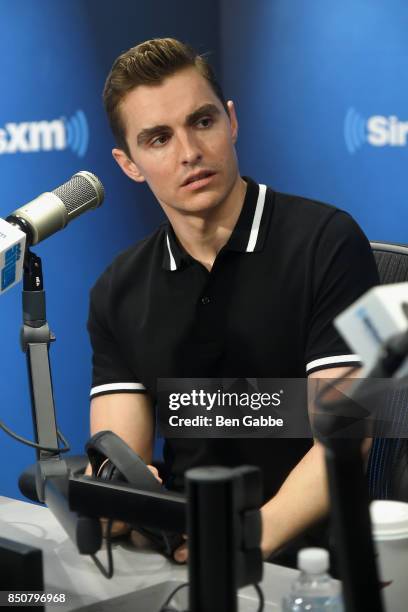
[{"x": 181, "y": 142}]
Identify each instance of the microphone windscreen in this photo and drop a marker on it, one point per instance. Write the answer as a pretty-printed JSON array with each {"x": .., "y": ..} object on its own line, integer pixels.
[{"x": 82, "y": 192}]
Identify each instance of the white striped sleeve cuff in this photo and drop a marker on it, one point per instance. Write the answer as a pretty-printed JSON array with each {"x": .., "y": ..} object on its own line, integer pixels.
[
  {"x": 122, "y": 387},
  {"x": 336, "y": 361}
]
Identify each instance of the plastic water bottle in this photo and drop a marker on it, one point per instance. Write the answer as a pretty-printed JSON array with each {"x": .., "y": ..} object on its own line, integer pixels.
[{"x": 314, "y": 590}]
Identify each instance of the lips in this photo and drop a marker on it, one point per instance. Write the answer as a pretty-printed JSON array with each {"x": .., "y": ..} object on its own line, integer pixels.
[{"x": 203, "y": 174}]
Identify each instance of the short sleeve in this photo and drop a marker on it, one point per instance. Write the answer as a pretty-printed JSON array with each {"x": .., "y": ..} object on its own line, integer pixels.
[
  {"x": 343, "y": 269},
  {"x": 110, "y": 374}
]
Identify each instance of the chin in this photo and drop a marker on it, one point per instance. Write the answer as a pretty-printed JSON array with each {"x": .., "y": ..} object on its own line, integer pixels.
[
  {"x": 203, "y": 206},
  {"x": 202, "y": 201}
]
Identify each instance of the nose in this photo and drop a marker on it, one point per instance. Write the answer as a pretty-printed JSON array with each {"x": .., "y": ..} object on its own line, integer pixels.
[{"x": 190, "y": 153}]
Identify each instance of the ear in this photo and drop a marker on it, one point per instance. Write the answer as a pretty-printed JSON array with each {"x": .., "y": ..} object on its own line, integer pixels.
[
  {"x": 128, "y": 165},
  {"x": 233, "y": 120}
]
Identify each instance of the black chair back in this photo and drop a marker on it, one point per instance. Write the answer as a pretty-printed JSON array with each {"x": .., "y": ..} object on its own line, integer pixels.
[{"x": 387, "y": 468}]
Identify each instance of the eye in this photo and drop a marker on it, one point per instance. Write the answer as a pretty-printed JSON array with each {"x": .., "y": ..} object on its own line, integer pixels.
[
  {"x": 205, "y": 122},
  {"x": 159, "y": 141}
]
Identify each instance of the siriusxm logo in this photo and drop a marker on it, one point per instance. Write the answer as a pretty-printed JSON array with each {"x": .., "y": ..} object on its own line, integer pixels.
[
  {"x": 56, "y": 135},
  {"x": 377, "y": 131},
  {"x": 363, "y": 315},
  {"x": 8, "y": 273}
]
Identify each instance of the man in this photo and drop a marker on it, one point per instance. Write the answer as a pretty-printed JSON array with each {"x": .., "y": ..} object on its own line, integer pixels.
[{"x": 241, "y": 281}]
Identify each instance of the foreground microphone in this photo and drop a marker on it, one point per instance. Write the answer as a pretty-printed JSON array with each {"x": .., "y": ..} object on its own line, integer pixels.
[
  {"x": 377, "y": 317},
  {"x": 52, "y": 211},
  {"x": 42, "y": 217}
]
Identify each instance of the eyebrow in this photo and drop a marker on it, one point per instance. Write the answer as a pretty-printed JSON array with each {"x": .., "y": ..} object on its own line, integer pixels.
[{"x": 147, "y": 133}]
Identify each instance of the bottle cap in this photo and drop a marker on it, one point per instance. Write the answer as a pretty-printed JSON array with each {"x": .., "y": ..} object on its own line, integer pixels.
[
  {"x": 313, "y": 560},
  {"x": 389, "y": 520}
]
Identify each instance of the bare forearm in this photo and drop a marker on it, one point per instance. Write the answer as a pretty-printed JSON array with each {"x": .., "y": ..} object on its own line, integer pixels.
[
  {"x": 301, "y": 501},
  {"x": 130, "y": 416},
  {"x": 303, "y": 498}
]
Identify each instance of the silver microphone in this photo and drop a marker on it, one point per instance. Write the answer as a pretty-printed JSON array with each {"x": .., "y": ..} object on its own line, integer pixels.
[{"x": 52, "y": 211}]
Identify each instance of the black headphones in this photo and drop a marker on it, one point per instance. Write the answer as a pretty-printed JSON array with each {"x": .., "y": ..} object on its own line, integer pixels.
[
  {"x": 108, "y": 471},
  {"x": 112, "y": 459}
]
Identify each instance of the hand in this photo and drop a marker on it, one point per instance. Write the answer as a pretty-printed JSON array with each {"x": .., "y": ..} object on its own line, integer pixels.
[
  {"x": 119, "y": 528},
  {"x": 267, "y": 533},
  {"x": 181, "y": 553},
  {"x": 155, "y": 473}
]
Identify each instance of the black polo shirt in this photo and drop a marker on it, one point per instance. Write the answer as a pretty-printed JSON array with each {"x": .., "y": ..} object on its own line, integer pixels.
[{"x": 264, "y": 310}]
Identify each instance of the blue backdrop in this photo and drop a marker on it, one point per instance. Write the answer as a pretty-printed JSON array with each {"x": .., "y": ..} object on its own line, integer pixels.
[
  {"x": 53, "y": 64},
  {"x": 322, "y": 95}
]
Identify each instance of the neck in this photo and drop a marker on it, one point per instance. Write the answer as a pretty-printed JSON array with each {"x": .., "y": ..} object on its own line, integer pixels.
[{"x": 203, "y": 235}]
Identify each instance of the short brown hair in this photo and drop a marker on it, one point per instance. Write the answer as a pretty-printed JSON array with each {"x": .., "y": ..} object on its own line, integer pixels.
[{"x": 149, "y": 63}]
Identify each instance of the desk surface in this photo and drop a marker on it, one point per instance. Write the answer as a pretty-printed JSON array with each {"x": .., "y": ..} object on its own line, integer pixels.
[{"x": 134, "y": 570}]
